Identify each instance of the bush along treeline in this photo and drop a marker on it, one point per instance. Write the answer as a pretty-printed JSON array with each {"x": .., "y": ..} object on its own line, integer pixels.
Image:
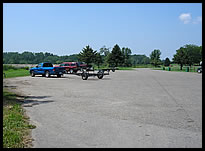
[{"x": 187, "y": 55}]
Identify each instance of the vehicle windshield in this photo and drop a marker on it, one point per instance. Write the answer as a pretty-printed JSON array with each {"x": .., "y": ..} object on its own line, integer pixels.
[
  {"x": 73, "y": 64},
  {"x": 47, "y": 65},
  {"x": 81, "y": 63}
]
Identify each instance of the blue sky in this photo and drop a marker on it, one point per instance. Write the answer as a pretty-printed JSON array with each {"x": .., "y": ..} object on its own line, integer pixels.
[{"x": 66, "y": 28}]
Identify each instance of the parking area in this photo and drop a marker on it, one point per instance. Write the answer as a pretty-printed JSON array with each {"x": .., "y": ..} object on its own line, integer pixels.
[{"x": 133, "y": 108}]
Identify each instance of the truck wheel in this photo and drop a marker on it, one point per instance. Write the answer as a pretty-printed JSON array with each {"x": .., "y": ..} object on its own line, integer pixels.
[
  {"x": 43, "y": 75},
  {"x": 100, "y": 74},
  {"x": 59, "y": 75},
  {"x": 47, "y": 74},
  {"x": 71, "y": 71},
  {"x": 32, "y": 74},
  {"x": 74, "y": 71},
  {"x": 199, "y": 70},
  {"x": 84, "y": 76},
  {"x": 113, "y": 70}
]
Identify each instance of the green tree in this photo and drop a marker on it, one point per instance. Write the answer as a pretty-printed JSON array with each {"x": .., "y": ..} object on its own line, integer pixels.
[
  {"x": 200, "y": 49},
  {"x": 98, "y": 59},
  {"x": 146, "y": 60},
  {"x": 73, "y": 57},
  {"x": 115, "y": 57},
  {"x": 155, "y": 57},
  {"x": 88, "y": 55},
  {"x": 126, "y": 56},
  {"x": 39, "y": 57},
  {"x": 104, "y": 51},
  {"x": 139, "y": 59},
  {"x": 180, "y": 57},
  {"x": 14, "y": 57},
  {"x": 189, "y": 54},
  {"x": 48, "y": 54},
  {"x": 51, "y": 58},
  {"x": 193, "y": 54},
  {"x": 167, "y": 62},
  {"x": 27, "y": 57}
]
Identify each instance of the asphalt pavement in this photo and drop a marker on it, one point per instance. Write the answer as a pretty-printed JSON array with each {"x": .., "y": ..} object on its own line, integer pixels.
[{"x": 139, "y": 108}]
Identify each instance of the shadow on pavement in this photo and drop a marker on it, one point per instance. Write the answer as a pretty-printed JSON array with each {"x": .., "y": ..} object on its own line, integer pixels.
[{"x": 29, "y": 101}]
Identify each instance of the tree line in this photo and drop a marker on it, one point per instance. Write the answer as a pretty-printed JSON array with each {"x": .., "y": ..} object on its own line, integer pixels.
[
  {"x": 103, "y": 57},
  {"x": 186, "y": 55}
]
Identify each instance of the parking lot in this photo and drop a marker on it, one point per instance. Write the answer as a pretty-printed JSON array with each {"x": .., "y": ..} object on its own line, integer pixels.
[{"x": 134, "y": 108}]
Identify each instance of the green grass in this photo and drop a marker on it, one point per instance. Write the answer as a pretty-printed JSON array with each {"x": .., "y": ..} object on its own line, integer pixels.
[
  {"x": 119, "y": 68},
  {"x": 7, "y": 67},
  {"x": 15, "y": 123},
  {"x": 10, "y": 73},
  {"x": 143, "y": 66},
  {"x": 125, "y": 68},
  {"x": 176, "y": 68},
  {"x": 16, "y": 127}
]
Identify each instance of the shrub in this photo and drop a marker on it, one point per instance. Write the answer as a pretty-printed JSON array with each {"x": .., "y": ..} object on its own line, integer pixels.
[{"x": 7, "y": 67}]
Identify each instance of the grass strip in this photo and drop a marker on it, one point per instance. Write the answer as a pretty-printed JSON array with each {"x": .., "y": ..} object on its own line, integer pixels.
[
  {"x": 11, "y": 73},
  {"x": 16, "y": 127}
]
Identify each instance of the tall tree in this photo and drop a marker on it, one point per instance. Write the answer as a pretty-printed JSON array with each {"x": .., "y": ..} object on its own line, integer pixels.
[
  {"x": 115, "y": 57},
  {"x": 155, "y": 57},
  {"x": 104, "y": 51},
  {"x": 180, "y": 57},
  {"x": 126, "y": 56},
  {"x": 88, "y": 55},
  {"x": 193, "y": 54},
  {"x": 98, "y": 59},
  {"x": 167, "y": 62},
  {"x": 189, "y": 54}
]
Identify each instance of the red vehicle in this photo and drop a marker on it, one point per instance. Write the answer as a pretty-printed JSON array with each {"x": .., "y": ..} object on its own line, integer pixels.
[
  {"x": 73, "y": 67},
  {"x": 82, "y": 65}
]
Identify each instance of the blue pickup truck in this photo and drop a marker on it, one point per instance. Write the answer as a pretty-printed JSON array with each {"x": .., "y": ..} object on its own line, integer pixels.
[{"x": 46, "y": 69}]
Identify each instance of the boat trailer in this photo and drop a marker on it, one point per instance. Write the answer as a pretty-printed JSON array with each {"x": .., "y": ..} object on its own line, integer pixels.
[{"x": 85, "y": 73}]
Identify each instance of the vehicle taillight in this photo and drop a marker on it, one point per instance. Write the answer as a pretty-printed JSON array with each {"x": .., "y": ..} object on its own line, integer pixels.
[{"x": 54, "y": 69}]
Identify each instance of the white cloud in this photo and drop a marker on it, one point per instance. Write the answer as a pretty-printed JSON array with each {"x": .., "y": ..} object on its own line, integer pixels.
[
  {"x": 198, "y": 20},
  {"x": 185, "y": 18}
]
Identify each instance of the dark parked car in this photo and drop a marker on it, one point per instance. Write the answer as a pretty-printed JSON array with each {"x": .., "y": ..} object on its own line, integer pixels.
[{"x": 199, "y": 70}]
